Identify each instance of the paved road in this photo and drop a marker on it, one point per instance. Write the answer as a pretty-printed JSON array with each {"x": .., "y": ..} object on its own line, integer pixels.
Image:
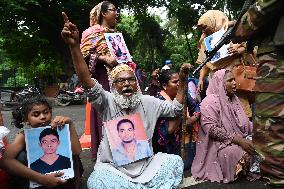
[{"x": 77, "y": 113}]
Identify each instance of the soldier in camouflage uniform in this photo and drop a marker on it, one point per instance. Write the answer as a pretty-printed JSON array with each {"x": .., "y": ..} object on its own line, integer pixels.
[{"x": 261, "y": 22}]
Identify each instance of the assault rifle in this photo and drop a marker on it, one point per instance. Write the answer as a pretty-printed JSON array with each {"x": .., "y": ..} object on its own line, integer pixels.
[{"x": 225, "y": 39}]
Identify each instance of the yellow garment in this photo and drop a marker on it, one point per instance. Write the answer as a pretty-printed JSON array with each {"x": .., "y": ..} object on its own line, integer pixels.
[{"x": 215, "y": 19}]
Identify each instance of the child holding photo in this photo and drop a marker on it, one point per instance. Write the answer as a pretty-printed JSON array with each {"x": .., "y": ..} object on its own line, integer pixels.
[{"x": 37, "y": 112}]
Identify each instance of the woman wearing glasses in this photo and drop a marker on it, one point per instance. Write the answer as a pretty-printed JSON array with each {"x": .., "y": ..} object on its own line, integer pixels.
[{"x": 103, "y": 19}]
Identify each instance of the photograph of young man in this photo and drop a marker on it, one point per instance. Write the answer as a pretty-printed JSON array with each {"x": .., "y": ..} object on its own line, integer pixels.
[
  {"x": 50, "y": 161},
  {"x": 130, "y": 149}
]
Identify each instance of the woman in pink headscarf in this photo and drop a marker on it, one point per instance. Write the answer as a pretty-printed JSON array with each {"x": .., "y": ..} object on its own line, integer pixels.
[{"x": 223, "y": 152}]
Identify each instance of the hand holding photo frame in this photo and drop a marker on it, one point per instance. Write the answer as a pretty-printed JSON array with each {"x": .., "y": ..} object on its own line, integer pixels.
[
  {"x": 49, "y": 151},
  {"x": 127, "y": 139},
  {"x": 117, "y": 47}
]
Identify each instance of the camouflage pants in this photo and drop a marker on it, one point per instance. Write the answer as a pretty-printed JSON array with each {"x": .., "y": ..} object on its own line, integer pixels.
[{"x": 268, "y": 134}]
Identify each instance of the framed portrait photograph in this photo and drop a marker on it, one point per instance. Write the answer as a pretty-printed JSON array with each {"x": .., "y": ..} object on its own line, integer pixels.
[
  {"x": 49, "y": 151},
  {"x": 127, "y": 139},
  {"x": 210, "y": 42},
  {"x": 192, "y": 87},
  {"x": 117, "y": 47}
]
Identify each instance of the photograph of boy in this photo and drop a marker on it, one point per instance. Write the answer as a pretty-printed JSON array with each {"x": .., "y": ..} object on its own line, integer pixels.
[
  {"x": 50, "y": 161},
  {"x": 129, "y": 149}
]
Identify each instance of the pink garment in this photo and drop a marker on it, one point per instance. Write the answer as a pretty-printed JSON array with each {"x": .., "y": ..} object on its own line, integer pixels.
[{"x": 221, "y": 120}]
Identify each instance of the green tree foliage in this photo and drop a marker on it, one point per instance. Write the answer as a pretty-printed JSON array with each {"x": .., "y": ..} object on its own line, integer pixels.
[
  {"x": 187, "y": 12},
  {"x": 183, "y": 16},
  {"x": 144, "y": 38},
  {"x": 19, "y": 81},
  {"x": 30, "y": 30},
  {"x": 178, "y": 50}
]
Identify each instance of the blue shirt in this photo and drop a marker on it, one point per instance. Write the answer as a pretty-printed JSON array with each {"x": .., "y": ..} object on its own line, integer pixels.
[{"x": 142, "y": 151}]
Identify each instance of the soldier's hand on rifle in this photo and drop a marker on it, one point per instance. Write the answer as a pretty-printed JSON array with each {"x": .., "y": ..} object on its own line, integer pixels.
[
  {"x": 69, "y": 33},
  {"x": 235, "y": 49}
]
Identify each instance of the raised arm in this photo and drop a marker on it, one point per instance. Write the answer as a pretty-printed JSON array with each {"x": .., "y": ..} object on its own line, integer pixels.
[
  {"x": 183, "y": 74},
  {"x": 70, "y": 35}
]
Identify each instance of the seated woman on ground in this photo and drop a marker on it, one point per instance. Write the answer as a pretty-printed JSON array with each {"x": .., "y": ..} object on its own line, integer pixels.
[
  {"x": 167, "y": 132},
  {"x": 223, "y": 151},
  {"x": 37, "y": 112}
]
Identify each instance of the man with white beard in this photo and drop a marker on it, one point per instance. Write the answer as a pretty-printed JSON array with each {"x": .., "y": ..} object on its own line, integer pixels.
[{"x": 159, "y": 170}]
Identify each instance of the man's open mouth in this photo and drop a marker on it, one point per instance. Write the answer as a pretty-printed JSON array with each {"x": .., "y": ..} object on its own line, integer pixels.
[{"x": 127, "y": 91}]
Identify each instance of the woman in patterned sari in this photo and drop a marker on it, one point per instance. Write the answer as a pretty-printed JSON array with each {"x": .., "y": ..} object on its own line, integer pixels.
[{"x": 103, "y": 19}]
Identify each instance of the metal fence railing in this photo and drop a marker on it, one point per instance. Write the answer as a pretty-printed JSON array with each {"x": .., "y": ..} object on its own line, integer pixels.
[{"x": 13, "y": 78}]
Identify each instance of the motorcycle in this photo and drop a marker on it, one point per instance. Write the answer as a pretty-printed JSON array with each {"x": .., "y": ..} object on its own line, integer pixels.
[
  {"x": 66, "y": 97},
  {"x": 28, "y": 92},
  {"x": 10, "y": 98}
]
